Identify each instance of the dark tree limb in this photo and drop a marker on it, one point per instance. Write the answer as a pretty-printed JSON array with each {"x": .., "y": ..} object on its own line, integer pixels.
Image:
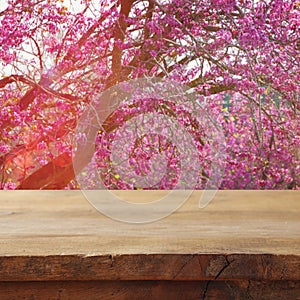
[
  {"x": 54, "y": 175},
  {"x": 14, "y": 78},
  {"x": 119, "y": 36}
]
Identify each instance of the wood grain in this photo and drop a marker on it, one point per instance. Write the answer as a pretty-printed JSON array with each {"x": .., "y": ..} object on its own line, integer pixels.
[
  {"x": 243, "y": 245},
  {"x": 137, "y": 290},
  {"x": 63, "y": 222}
]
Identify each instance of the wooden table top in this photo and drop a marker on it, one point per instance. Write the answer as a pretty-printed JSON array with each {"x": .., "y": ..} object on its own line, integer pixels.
[{"x": 58, "y": 234}]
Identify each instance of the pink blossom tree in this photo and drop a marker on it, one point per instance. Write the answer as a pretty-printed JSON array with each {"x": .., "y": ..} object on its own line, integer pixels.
[{"x": 241, "y": 57}]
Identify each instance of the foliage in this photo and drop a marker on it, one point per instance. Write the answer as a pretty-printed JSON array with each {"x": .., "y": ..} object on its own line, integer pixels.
[{"x": 242, "y": 57}]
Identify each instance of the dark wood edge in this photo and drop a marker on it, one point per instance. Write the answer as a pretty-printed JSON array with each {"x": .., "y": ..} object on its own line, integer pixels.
[{"x": 178, "y": 267}]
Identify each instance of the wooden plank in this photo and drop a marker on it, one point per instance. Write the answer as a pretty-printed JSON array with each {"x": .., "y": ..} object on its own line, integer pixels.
[
  {"x": 131, "y": 290},
  {"x": 150, "y": 267},
  {"x": 240, "y": 235}
]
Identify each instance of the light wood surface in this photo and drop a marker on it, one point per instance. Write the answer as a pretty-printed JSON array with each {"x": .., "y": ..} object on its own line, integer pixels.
[
  {"x": 255, "y": 233},
  {"x": 64, "y": 222}
]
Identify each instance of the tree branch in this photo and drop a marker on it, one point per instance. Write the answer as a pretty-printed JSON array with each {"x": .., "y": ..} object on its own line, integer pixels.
[
  {"x": 14, "y": 78},
  {"x": 54, "y": 175},
  {"x": 119, "y": 36}
]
